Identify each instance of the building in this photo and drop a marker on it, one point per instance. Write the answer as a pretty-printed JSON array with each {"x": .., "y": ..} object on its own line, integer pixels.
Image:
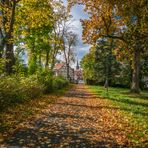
[
  {"x": 78, "y": 74},
  {"x": 60, "y": 69}
]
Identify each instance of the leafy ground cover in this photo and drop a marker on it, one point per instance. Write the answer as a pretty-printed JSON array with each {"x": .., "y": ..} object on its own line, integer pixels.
[
  {"x": 12, "y": 117},
  {"x": 133, "y": 107},
  {"x": 77, "y": 119},
  {"x": 81, "y": 118}
]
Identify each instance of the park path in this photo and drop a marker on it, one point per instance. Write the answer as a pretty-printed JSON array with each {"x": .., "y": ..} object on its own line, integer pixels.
[{"x": 78, "y": 119}]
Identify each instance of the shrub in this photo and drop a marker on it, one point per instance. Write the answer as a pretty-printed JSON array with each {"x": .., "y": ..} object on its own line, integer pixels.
[
  {"x": 46, "y": 78},
  {"x": 17, "y": 89},
  {"x": 14, "y": 89},
  {"x": 31, "y": 87},
  {"x": 51, "y": 82},
  {"x": 59, "y": 82},
  {"x": 2, "y": 64}
]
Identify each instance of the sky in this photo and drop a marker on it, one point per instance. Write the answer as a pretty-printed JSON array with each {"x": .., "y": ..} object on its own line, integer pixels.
[
  {"x": 78, "y": 13},
  {"x": 81, "y": 48}
]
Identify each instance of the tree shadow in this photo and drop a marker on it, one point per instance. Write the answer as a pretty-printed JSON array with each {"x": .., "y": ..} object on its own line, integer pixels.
[
  {"x": 81, "y": 95},
  {"x": 128, "y": 101},
  {"x": 95, "y": 95},
  {"x": 138, "y": 96},
  {"x": 107, "y": 107},
  {"x": 54, "y": 131},
  {"x": 134, "y": 109},
  {"x": 49, "y": 133}
]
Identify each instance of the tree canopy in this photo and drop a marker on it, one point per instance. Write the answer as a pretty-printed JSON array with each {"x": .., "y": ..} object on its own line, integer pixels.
[{"x": 124, "y": 21}]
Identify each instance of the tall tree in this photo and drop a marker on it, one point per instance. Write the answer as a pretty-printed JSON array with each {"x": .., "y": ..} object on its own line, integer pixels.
[
  {"x": 60, "y": 28},
  {"x": 125, "y": 21},
  {"x": 37, "y": 23},
  {"x": 8, "y": 11},
  {"x": 88, "y": 65},
  {"x": 69, "y": 42}
]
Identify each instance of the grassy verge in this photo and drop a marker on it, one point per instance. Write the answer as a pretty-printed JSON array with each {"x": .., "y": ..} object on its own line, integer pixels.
[
  {"x": 132, "y": 106},
  {"x": 11, "y": 118}
]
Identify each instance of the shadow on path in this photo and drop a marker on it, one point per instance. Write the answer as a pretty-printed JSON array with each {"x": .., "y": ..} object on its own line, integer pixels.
[
  {"x": 47, "y": 134},
  {"x": 62, "y": 127}
]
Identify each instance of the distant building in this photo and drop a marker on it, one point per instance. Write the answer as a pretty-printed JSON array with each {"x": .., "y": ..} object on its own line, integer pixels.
[
  {"x": 60, "y": 69},
  {"x": 78, "y": 74}
]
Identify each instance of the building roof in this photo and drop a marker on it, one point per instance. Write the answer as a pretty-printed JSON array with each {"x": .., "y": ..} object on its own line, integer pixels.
[{"x": 58, "y": 66}]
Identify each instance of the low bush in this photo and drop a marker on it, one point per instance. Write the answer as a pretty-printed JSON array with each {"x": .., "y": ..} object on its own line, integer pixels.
[
  {"x": 17, "y": 89},
  {"x": 51, "y": 82},
  {"x": 31, "y": 87},
  {"x": 59, "y": 82},
  {"x": 46, "y": 79}
]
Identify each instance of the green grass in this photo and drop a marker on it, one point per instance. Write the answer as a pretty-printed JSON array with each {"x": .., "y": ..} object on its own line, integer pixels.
[{"x": 133, "y": 106}]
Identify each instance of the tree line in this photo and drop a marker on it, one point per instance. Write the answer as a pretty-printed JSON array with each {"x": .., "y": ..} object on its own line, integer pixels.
[
  {"x": 37, "y": 28},
  {"x": 32, "y": 34},
  {"x": 121, "y": 25}
]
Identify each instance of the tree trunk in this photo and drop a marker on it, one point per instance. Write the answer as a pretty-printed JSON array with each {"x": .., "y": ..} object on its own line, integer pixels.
[
  {"x": 47, "y": 60},
  {"x": 1, "y": 49},
  {"x": 135, "y": 75},
  {"x": 68, "y": 76},
  {"x": 67, "y": 62},
  {"x": 40, "y": 60},
  {"x": 2, "y": 44},
  {"x": 10, "y": 60},
  {"x": 53, "y": 59}
]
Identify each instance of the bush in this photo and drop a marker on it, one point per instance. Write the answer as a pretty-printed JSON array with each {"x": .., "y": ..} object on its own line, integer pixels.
[
  {"x": 46, "y": 78},
  {"x": 51, "y": 82},
  {"x": 31, "y": 87},
  {"x": 17, "y": 89},
  {"x": 59, "y": 82},
  {"x": 2, "y": 65},
  {"x": 14, "y": 89}
]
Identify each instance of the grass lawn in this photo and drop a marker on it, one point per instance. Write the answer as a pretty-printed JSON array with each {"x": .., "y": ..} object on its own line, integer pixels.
[
  {"x": 12, "y": 117},
  {"x": 133, "y": 106}
]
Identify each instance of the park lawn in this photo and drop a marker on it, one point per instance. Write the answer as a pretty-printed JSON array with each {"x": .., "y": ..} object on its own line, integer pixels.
[
  {"x": 134, "y": 107},
  {"x": 11, "y": 118}
]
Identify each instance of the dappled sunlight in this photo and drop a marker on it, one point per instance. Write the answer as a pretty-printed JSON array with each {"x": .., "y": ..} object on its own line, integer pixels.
[
  {"x": 73, "y": 73},
  {"x": 132, "y": 106},
  {"x": 76, "y": 122}
]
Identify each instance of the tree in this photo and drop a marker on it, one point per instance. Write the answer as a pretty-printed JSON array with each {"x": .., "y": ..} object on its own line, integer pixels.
[
  {"x": 88, "y": 65},
  {"x": 106, "y": 64},
  {"x": 63, "y": 38},
  {"x": 8, "y": 11},
  {"x": 69, "y": 42},
  {"x": 100, "y": 66},
  {"x": 125, "y": 21},
  {"x": 60, "y": 28},
  {"x": 37, "y": 23}
]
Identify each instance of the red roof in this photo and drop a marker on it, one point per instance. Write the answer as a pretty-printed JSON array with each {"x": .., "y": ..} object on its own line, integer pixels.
[{"x": 58, "y": 66}]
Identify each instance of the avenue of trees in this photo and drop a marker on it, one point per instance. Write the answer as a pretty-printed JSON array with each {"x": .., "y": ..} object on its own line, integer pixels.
[
  {"x": 117, "y": 31},
  {"x": 36, "y": 28},
  {"x": 32, "y": 34}
]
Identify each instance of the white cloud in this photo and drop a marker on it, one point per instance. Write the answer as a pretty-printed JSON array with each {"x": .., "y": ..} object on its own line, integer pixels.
[{"x": 78, "y": 13}]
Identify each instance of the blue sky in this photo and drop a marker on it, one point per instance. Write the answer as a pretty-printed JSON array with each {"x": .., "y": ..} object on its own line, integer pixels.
[{"x": 78, "y": 13}]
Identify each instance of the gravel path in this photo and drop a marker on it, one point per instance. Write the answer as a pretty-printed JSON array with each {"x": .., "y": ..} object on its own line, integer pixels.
[{"x": 76, "y": 120}]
